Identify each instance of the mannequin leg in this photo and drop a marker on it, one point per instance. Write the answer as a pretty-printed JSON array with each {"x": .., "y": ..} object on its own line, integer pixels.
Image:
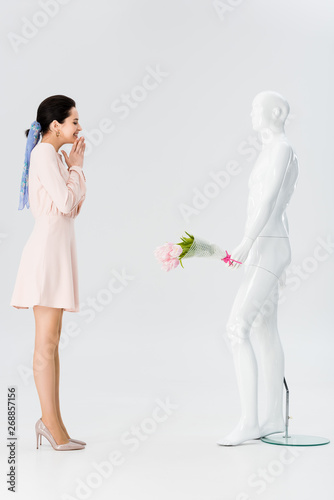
[
  {"x": 246, "y": 371},
  {"x": 256, "y": 286},
  {"x": 272, "y": 363}
]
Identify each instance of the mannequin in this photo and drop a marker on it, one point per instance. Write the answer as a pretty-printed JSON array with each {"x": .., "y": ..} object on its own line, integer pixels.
[{"x": 265, "y": 253}]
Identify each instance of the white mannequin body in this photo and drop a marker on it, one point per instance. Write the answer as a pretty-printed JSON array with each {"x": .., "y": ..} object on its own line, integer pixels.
[{"x": 265, "y": 254}]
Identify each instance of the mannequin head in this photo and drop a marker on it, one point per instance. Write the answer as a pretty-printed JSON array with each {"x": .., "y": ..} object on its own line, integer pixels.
[{"x": 269, "y": 111}]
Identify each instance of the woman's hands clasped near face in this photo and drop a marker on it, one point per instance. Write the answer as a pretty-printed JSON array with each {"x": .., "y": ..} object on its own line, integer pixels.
[{"x": 76, "y": 156}]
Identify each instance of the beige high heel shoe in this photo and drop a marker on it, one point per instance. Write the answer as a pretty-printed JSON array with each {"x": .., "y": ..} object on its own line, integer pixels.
[
  {"x": 70, "y": 439},
  {"x": 42, "y": 430},
  {"x": 78, "y": 441}
]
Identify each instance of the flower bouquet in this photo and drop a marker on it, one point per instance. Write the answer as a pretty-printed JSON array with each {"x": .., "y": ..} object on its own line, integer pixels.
[{"x": 171, "y": 254}]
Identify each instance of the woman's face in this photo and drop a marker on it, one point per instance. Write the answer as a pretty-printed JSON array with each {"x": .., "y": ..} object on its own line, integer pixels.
[{"x": 70, "y": 128}]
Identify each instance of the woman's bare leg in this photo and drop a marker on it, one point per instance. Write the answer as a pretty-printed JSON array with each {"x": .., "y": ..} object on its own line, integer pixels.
[
  {"x": 57, "y": 368},
  {"x": 46, "y": 343}
]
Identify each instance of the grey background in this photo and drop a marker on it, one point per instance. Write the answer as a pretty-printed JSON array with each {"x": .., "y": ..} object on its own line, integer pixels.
[{"x": 161, "y": 335}]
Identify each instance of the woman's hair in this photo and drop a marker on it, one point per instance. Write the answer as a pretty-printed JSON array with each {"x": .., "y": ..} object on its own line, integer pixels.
[{"x": 55, "y": 107}]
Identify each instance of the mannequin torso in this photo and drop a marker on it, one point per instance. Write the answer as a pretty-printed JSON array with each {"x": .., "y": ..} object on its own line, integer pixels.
[{"x": 277, "y": 224}]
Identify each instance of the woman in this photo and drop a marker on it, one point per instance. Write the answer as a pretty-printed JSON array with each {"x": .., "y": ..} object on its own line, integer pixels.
[{"x": 47, "y": 278}]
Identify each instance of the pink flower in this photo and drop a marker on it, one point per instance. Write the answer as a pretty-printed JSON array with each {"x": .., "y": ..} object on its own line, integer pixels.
[
  {"x": 176, "y": 251},
  {"x": 168, "y": 254},
  {"x": 162, "y": 253},
  {"x": 170, "y": 264}
]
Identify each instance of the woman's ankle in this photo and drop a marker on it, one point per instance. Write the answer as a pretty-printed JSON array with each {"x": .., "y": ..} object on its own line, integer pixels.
[
  {"x": 51, "y": 422},
  {"x": 64, "y": 428}
]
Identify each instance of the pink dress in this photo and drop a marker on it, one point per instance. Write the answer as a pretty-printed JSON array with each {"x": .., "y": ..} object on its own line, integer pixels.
[{"x": 48, "y": 274}]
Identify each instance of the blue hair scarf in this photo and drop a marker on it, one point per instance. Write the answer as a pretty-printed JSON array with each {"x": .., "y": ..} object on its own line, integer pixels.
[{"x": 32, "y": 140}]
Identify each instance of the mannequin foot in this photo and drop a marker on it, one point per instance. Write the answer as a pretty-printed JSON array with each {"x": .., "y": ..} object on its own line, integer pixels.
[
  {"x": 240, "y": 433},
  {"x": 272, "y": 426}
]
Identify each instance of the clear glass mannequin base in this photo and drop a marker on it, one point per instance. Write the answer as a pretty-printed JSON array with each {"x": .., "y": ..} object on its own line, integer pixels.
[
  {"x": 285, "y": 439},
  {"x": 294, "y": 440}
]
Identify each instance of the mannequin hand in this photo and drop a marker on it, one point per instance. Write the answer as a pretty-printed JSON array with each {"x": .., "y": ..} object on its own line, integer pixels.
[
  {"x": 240, "y": 253},
  {"x": 76, "y": 156}
]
